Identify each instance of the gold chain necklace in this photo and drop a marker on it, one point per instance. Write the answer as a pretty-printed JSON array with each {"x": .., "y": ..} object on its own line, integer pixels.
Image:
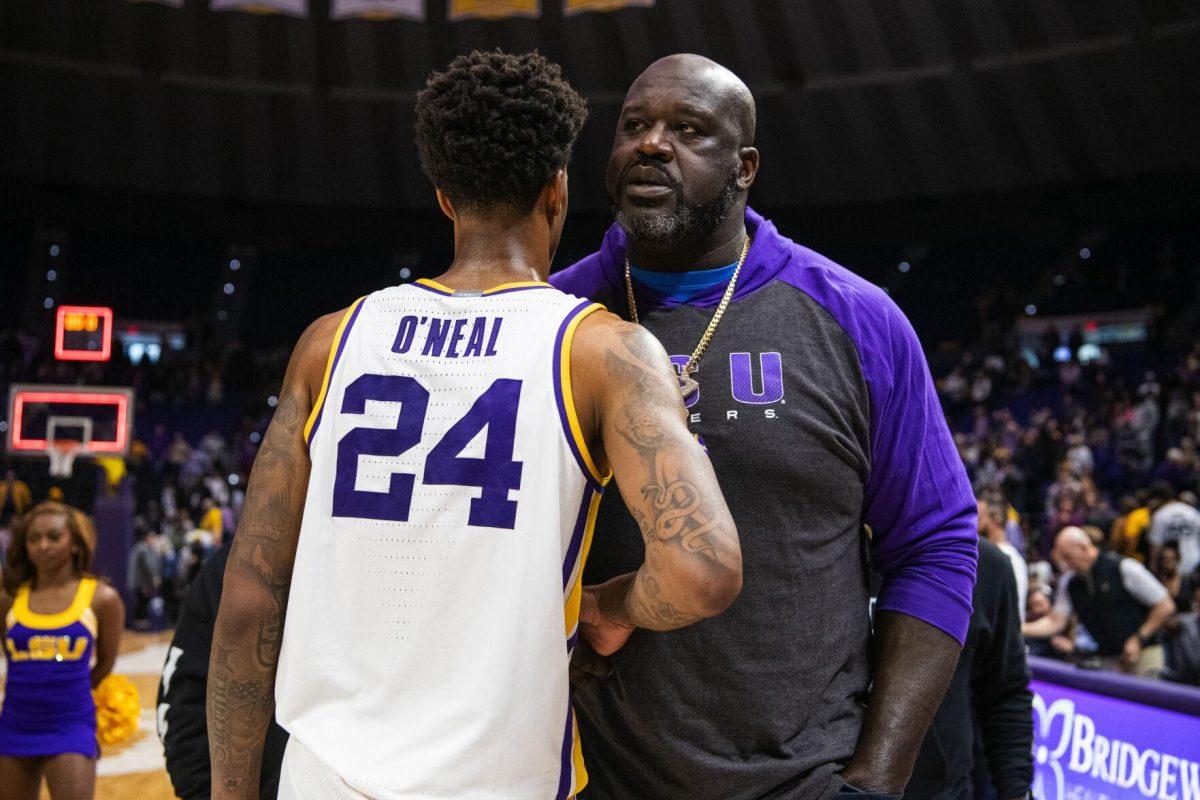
[{"x": 687, "y": 384}]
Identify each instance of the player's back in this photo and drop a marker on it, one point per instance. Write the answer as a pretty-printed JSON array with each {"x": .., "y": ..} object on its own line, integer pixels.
[{"x": 435, "y": 595}]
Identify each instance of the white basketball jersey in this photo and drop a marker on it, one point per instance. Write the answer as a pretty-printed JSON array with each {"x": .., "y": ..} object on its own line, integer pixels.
[{"x": 435, "y": 598}]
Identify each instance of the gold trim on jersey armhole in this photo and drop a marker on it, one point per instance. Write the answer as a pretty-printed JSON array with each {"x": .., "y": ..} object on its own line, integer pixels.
[
  {"x": 568, "y": 396},
  {"x": 333, "y": 349},
  {"x": 581, "y": 773},
  {"x": 73, "y": 613},
  {"x": 574, "y": 596}
]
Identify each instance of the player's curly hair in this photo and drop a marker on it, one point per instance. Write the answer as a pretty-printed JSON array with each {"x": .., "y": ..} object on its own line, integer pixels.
[{"x": 494, "y": 128}]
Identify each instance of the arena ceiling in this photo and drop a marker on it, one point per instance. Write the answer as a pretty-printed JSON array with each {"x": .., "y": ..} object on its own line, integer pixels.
[{"x": 860, "y": 101}]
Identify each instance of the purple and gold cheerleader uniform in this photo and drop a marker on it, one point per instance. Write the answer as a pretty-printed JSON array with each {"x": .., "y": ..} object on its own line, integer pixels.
[{"x": 48, "y": 707}]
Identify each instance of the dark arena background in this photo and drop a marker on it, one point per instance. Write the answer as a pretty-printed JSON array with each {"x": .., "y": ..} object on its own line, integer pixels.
[{"x": 185, "y": 185}]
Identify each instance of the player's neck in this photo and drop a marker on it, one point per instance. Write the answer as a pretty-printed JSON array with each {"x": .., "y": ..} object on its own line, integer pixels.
[{"x": 488, "y": 253}]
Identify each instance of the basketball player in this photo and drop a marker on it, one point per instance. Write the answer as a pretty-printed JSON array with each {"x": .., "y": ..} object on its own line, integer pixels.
[{"x": 424, "y": 498}]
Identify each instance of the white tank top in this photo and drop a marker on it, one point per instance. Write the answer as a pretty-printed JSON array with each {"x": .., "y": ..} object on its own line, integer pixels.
[{"x": 435, "y": 598}]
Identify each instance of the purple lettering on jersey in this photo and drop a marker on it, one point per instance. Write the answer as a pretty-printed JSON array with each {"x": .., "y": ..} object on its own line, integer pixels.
[
  {"x": 393, "y": 504},
  {"x": 475, "y": 343},
  {"x": 436, "y": 340},
  {"x": 491, "y": 347},
  {"x": 496, "y": 473},
  {"x": 741, "y": 378},
  {"x": 405, "y": 334},
  {"x": 455, "y": 338}
]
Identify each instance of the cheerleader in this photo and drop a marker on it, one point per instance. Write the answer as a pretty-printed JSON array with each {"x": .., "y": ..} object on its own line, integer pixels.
[{"x": 62, "y": 628}]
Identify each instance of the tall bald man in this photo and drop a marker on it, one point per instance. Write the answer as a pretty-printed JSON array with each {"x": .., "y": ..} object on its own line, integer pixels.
[
  {"x": 813, "y": 396},
  {"x": 1121, "y": 604}
]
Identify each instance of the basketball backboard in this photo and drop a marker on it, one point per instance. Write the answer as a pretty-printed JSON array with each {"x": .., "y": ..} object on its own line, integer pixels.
[{"x": 99, "y": 418}]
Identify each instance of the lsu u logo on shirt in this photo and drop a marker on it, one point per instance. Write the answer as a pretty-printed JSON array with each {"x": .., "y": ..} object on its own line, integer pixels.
[
  {"x": 767, "y": 390},
  {"x": 49, "y": 648}
]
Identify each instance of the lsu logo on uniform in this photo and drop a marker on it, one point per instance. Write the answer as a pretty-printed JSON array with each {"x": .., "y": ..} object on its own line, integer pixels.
[{"x": 49, "y": 648}]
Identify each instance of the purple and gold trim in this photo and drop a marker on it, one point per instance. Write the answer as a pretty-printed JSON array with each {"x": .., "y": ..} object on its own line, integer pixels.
[
  {"x": 564, "y": 399},
  {"x": 504, "y": 288},
  {"x": 335, "y": 355}
]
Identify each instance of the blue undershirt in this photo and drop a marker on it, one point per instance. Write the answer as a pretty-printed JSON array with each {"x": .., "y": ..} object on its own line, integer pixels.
[{"x": 681, "y": 287}]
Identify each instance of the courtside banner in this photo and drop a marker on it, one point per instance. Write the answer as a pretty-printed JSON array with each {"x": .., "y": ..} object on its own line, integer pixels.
[
  {"x": 377, "y": 9},
  {"x": 493, "y": 9},
  {"x": 293, "y": 8},
  {"x": 1090, "y": 747},
  {"x": 579, "y": 6}
]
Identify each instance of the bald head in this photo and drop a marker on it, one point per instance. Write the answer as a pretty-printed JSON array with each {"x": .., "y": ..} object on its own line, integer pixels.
[
  {"x": 683, "y": 162},
  {"x": 703, "y": 77},
  {"x": 1074, "y": 549}
]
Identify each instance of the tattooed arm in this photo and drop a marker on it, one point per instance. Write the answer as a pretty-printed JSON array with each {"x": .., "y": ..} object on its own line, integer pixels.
[
  {"x": 249, "y": 627},
  {"x": 627, "y": 399}
]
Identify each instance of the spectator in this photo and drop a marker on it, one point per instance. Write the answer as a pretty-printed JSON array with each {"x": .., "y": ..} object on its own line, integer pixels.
[
  {"x": 1174, "y": 521},
  {"x": 992, "y": 517},
  {"x": 1179, "y": 585},
  {"x": 1129, "y": 531},
  {"x": 1039, "y": 607},
  {"x": 15, "y": 497},
  {"x": 144, "y": 576},
  {"x": 211, "y": 520},
  {"x": 1117, "y": 599},
  {"x": 1175, "y": 470}
]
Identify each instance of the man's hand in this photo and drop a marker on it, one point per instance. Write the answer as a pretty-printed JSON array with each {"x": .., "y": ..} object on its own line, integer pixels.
[
  {"x": 603, "y": 634},
  {"x": 1062, "y": 644},
  {"x": 1131, "y": 652}
]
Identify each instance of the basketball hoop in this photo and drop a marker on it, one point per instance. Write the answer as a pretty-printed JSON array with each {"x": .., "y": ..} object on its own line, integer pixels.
[
  {"x": 62, "y": 457},
  {"x": 63, "y": 451}
]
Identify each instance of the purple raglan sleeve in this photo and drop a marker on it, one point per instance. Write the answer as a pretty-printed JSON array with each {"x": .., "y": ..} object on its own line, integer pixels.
[{"x": 918, "y": 499}]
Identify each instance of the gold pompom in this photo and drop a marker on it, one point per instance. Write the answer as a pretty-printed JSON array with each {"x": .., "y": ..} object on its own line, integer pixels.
[{"x": 118, "y": 709}]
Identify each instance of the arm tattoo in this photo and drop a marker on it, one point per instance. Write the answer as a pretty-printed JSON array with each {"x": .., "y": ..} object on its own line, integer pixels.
[
  {"x": 677, "y": 520},
  {"x": 249, "y": 631}
]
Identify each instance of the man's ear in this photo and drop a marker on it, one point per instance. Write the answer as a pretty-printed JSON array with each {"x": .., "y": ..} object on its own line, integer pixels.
[
  {"x": 446, "y": 206},
  {"x": 748, "y": 159},
  {"x": 554, "y": 197}
]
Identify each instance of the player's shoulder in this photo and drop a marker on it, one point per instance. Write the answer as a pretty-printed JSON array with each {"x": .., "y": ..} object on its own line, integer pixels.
[
  {"x": 604, "y": 332},
  {"x": 105, "y": 597},
  {"x": 314, "y": 343}
]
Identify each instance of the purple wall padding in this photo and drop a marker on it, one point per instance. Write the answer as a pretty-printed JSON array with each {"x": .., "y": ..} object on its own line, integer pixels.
[
  {"x": 1159, "y": 694},
  {"x": 113, "y": 514}
]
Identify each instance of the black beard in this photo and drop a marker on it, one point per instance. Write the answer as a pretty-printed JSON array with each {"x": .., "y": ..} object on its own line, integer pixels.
[{"x": 689, "y": 222}]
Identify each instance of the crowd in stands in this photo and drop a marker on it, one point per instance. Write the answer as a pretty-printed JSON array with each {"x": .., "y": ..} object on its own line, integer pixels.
[
  {"x": 199, "y": 418},
  {"x": 1090, "y": 480},
  {"x": 1050, "y": 446}
]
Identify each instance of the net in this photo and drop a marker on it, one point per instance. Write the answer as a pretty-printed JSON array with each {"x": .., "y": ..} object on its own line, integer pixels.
[
  {"x": 62, "y": 457},
  {"x": 63, "y": 451}
]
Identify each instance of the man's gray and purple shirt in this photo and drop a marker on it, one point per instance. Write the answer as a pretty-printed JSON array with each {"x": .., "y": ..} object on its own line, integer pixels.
[{"x": 820, "y": 417}]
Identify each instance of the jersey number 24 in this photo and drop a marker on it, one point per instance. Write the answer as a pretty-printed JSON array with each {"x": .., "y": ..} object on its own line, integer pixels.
[{"x": 495, "y": 474}]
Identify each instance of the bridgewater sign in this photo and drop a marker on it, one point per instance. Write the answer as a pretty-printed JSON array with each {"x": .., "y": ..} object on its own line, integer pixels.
[{"x": 1090, "y": 747}]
